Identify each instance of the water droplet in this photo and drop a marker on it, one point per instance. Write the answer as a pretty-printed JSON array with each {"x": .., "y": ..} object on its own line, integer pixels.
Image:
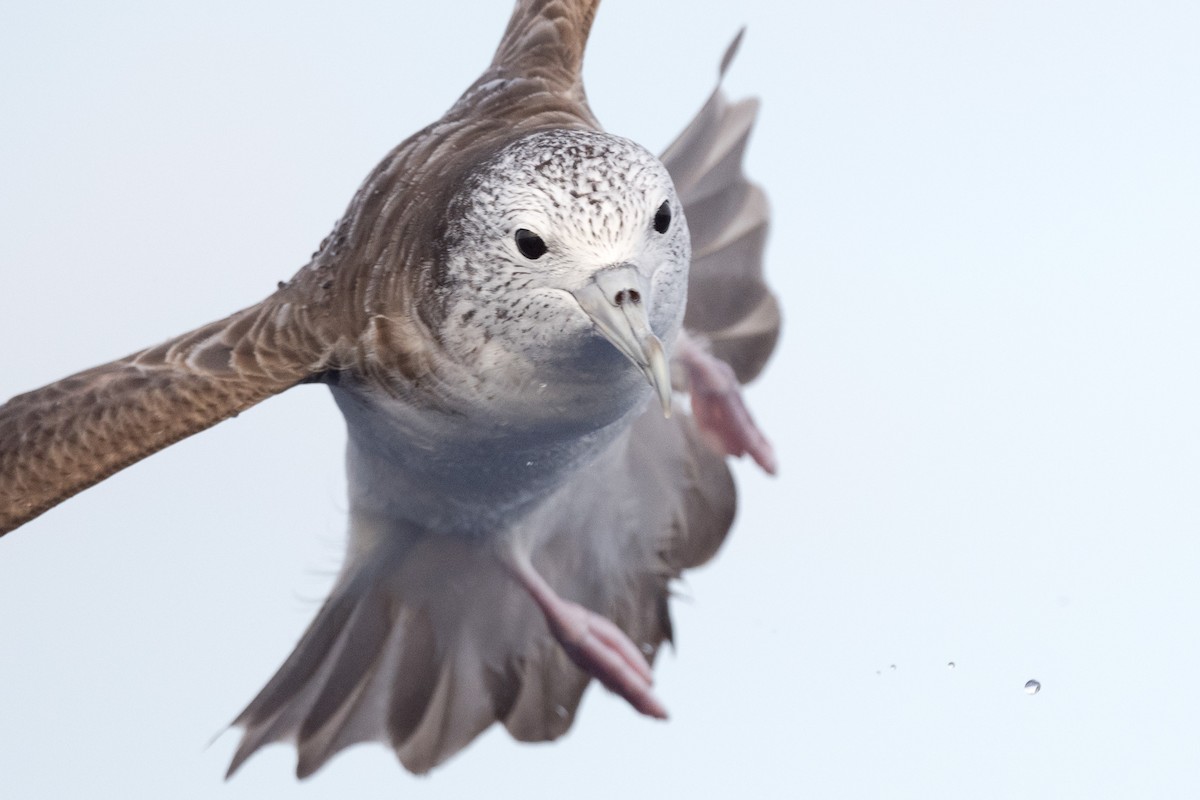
[
  {"x": 1033, "y": 687},
  {"x": 529, "y": 463},
  {"x": 951, "y": 665},
  {"x": 561, "y": 711},
  {"x": 892, "y": 667},
  {"x": 647, "y": 648}
]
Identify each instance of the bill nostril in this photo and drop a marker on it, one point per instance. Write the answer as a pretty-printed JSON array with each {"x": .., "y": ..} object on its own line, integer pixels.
[{"x": 630, "y": 295}]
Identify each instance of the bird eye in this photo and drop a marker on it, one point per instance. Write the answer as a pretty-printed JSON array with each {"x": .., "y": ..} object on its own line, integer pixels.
[
  {"x": 662, "y": 217},
  {"x": 530, "y": 244}
]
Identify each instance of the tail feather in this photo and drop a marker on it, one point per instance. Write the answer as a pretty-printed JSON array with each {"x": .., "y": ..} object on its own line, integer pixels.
[
  {"x": 457, "y": 712},
  {"x": 358, "y": 649},
  {"x": 424, "y": 644},
  {"x": 550, "y": 690},
  {"x": 422, "y": 652},
  {"x": 388, "y": 702},
  {"x": 339, "y": 717},
  {"x": 281, "y": 707},
  {"x": 302, "y": 665}
]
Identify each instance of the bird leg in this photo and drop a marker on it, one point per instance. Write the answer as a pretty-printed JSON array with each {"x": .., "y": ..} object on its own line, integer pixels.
[
  {"x": 718, "y": 407},
  {"x": 594, "y": 643}
]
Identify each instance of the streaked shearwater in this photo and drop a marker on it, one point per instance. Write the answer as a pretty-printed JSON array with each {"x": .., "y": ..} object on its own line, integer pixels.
[{"x": 506, "y": 314}]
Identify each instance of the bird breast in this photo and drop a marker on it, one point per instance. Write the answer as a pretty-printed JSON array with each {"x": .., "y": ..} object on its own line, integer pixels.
[{"x": 472, "y": 457}]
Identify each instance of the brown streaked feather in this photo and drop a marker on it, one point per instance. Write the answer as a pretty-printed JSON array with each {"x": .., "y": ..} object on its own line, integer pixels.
[
  {"x": 60, "y": 439},
  {"x": 545, "y": 39}
]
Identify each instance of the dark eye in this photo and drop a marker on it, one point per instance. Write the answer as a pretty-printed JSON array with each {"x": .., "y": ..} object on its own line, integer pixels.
[
  {"x": 662, "y": 217},
  {"x": 530, "y": 244}
]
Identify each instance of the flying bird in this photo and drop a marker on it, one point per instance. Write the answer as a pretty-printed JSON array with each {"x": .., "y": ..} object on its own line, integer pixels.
[{"x": 537, "y": 332}]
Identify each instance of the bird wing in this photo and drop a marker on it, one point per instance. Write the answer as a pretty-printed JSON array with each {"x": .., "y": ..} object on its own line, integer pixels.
[
  {"x": 546, "y": 39},
  {"x": 60, "y": 439},
  {"x": 729, "y": 307}
]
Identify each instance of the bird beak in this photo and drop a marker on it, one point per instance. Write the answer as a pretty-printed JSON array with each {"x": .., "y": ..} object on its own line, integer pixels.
[{"x": 615, "y": 300}]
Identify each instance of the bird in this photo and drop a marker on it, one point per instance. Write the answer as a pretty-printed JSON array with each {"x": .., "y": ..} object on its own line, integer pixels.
[{"x": 537, "y": 332}]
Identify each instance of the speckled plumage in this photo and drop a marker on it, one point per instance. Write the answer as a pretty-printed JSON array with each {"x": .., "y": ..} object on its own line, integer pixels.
[
  {"x": 592, "y": 197},
  {"x": 500, "y": 445}
]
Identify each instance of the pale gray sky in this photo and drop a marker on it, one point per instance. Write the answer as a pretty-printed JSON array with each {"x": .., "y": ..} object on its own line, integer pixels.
[{"x": 986, "y": 240}]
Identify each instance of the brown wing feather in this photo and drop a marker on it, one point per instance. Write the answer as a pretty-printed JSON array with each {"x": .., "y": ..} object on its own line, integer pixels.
[
  {"x": 60, "y": 439},
  {"x": 729, "y": 304},
  {"x": 545, "y": 39},
  {"x": 57, "y": 441}
]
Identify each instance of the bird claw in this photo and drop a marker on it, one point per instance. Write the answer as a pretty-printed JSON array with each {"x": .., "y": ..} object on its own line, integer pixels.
[
  {"x": 718, "y": 408},
  {"x": 601, "y": 649},
  {"x": 593, "y": 642}
]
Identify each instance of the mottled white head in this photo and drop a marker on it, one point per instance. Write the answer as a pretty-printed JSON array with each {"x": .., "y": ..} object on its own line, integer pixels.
[{"x": 566, "y": 260}]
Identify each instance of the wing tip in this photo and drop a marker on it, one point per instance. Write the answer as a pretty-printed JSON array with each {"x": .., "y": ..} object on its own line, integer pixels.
[{"x": 730, "y": 53}]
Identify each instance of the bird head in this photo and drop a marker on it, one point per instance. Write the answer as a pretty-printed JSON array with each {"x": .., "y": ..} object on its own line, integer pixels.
[{"x": 567, "y": 250}]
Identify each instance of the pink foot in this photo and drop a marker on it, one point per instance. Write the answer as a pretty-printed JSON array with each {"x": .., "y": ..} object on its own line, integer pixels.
[
  {"x": 595, "y": 644},
  {"x": 718, "y": 408}
]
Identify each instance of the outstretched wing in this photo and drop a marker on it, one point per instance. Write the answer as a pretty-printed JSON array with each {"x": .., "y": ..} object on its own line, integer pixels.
[
  {"x": 60, "y": 439},
  {"x": 729, "y": 306}
]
